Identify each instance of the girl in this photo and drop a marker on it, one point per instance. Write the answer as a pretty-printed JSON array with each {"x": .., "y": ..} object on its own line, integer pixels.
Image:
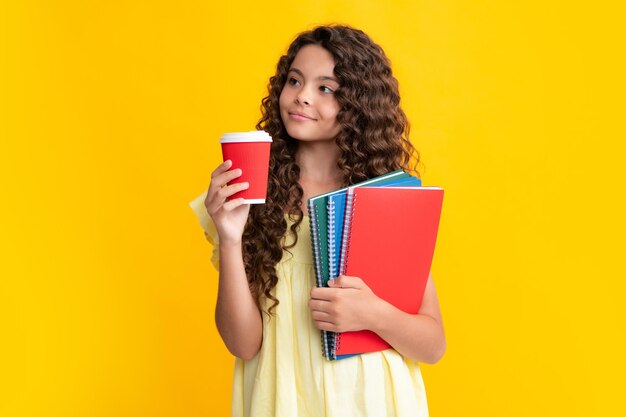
[{"x": 334, "y": 115}]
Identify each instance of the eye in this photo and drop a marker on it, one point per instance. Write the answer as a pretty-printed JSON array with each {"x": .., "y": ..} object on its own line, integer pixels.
[
  {"x": 326, "y": 90},
  {"x": 292, "y": 81}
]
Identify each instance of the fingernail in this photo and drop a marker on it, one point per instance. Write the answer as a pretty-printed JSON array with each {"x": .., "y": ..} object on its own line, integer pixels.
[
  {"x": 331, "y": 282},
  {"x": 245, "y": 184},
  {"x": 228, "y": 162}
]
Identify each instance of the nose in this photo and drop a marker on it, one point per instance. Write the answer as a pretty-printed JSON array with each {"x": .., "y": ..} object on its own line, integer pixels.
[
  {"x": 300, "y": 99},
  {"x": 303, "y": 97}
]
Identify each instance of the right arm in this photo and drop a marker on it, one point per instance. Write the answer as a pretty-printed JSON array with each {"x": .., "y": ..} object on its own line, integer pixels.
[{"x": 237, "y": 315}]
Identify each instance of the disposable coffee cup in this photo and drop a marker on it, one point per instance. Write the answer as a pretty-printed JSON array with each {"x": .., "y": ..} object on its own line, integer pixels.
[{"x": 249, "y": 151}]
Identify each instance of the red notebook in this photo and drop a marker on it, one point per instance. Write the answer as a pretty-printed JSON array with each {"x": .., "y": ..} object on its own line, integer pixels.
[{"x": 388, "y": 241}]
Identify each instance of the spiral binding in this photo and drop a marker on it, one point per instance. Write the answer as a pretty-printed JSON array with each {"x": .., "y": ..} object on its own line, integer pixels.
[
  {"x": 315, "y": 237},
  {"x": 347, "y": 231},
  {"x": 332, "y": 270},
  {"x": 345, "y": 250}
]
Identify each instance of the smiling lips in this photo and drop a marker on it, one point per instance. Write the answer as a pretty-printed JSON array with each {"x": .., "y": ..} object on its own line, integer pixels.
[{"x": 299, "y": 116}]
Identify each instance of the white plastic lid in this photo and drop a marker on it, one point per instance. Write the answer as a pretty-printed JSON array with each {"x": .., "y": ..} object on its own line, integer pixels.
[{"x": 252, "y": 136}]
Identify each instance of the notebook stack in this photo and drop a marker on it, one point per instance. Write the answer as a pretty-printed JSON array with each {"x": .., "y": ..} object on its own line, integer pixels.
[{"x": 383, "y": 231}]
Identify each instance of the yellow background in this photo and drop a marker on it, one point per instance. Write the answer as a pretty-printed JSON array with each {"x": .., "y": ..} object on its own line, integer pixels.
[{"x": 110, "y": 117}]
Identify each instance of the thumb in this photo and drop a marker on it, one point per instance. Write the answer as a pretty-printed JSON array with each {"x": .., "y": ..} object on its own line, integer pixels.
[{"x": 344, "y": 281}]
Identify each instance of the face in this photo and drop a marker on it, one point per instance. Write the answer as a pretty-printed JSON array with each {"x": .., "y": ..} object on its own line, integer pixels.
[{"x": 308, "y": 106}]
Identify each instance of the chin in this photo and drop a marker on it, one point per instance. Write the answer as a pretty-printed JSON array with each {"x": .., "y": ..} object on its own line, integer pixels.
[
  {"x": 308, "y": 133},
  {"x": 300, "y": 138},
  {"x": 299, "y": 134}
]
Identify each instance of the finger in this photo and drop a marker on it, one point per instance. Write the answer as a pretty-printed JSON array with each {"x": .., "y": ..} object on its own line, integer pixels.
[
  {"x": 325, "y": 325},
  {"x": 223, "y": 167},
  {"x": 323, "y": 293},
  {"x": 229, "y": 190},
  {"x": 224, "y": 178},
  {"x": 231, "y": 205},
  {"x": 319, "y": 305},
  {"x": 321, "y": 316},
  {"x": 216, "y": 200}
]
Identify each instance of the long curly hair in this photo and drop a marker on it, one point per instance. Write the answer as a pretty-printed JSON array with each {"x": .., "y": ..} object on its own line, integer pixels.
[{"x": 373, "y": 141}]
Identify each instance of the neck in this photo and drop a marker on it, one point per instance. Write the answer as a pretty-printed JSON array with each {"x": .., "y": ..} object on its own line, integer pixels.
[{"x": 318, "y": 162}]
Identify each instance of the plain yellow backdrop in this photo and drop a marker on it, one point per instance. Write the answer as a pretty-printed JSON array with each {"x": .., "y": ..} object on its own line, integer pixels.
[{"x": 110, "y": 118}]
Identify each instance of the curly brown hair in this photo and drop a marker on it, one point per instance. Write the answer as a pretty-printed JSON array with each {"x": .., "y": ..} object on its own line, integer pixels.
[{"x": 373, "y": 141}]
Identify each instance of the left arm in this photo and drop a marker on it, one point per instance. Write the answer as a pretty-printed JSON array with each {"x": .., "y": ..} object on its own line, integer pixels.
[{"x": 350, "y": 305}]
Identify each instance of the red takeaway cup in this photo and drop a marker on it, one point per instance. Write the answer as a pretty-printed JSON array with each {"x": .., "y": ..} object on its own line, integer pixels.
[{"x": 249, "y": 151}]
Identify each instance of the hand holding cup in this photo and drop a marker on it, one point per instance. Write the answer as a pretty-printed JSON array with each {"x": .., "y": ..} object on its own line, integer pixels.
[
  {"x": 238, "y": 182},
  {"x": 229, "y": 215}
]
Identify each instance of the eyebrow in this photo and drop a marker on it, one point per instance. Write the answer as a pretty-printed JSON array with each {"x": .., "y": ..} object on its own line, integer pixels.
[{"x": 320, "y": 78}]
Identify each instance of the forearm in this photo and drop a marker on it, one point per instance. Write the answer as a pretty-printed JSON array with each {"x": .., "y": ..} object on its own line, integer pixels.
[
  {"x": 417, "y": 336},
  {"x": 237, "y": 315}
]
